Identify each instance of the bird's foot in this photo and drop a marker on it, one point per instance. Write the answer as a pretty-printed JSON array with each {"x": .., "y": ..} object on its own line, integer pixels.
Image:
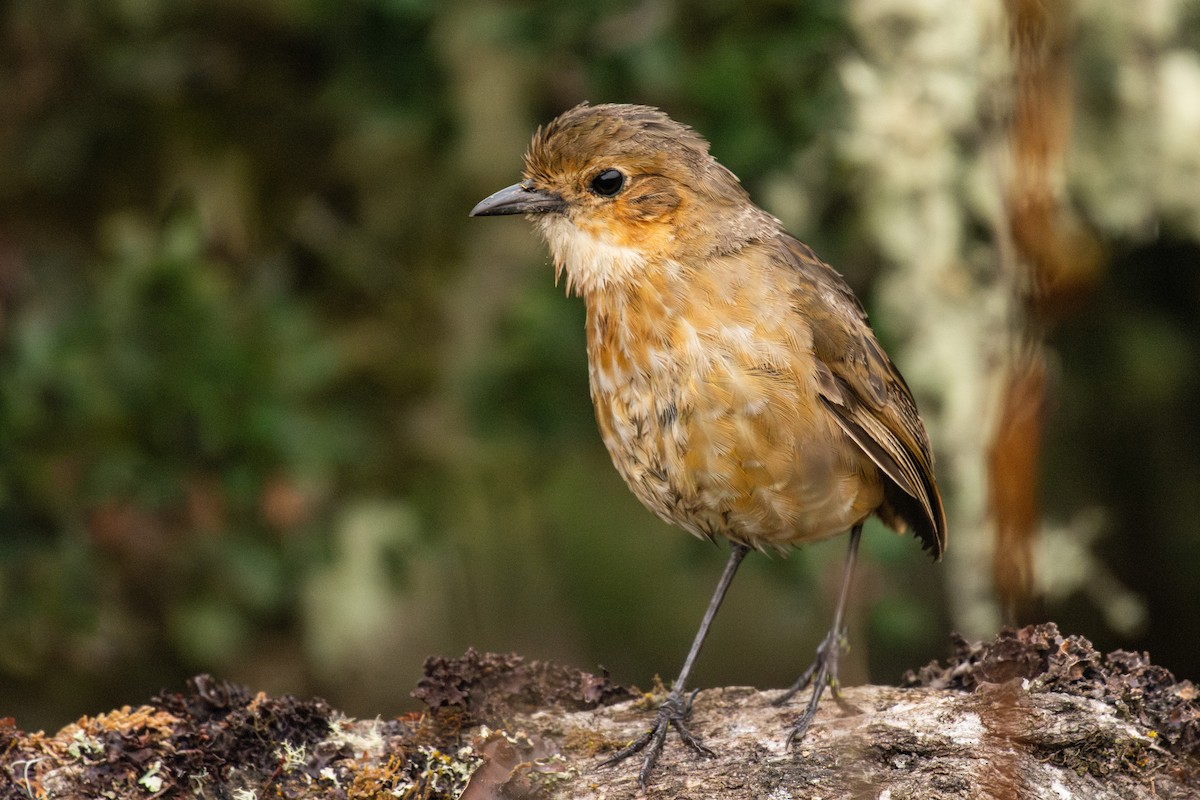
[
  {"x": 673, "y": 713},
  {"x": 822, "y": 672}
]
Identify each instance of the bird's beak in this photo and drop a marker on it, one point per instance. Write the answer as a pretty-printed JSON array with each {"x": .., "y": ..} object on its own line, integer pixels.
[{"x": 520, "y": 198}]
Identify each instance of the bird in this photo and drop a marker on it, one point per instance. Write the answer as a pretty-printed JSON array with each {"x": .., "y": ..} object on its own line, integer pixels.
[{"x": 737, "y": 383}]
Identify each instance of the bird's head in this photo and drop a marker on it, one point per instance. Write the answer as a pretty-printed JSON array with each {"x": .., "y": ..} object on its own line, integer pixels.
[{"x": 621, "y": 190}]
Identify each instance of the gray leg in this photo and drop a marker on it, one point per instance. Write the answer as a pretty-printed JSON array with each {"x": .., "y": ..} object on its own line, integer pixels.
[
  {"x": 824, "y": 669},
  {"x": 674, "y": 711}
]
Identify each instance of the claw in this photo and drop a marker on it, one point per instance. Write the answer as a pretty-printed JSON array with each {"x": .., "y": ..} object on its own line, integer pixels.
[
  {"x": 822, "y": 672},
  {"x": 673, "y": 713}
]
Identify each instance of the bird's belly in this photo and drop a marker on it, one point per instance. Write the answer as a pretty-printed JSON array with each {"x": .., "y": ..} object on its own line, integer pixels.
[{"x": 730, "y": 450}]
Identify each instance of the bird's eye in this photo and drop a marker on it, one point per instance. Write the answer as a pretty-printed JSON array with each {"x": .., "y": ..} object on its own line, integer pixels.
[{"x": 608, "y": 183}]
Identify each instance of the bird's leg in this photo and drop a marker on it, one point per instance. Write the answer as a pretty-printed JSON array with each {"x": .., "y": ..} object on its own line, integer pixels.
[
  {"x": 824, "y": 669},
  {"x": 674, "y": 711}
]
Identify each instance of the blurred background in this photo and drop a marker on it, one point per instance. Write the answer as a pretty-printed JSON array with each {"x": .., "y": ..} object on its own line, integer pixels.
[{"x": 273, "y": 407}]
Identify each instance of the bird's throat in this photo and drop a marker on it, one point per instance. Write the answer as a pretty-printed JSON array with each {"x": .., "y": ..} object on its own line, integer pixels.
[{"x": 591, "y": 259}]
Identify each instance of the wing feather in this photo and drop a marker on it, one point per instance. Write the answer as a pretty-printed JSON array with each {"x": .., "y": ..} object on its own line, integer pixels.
[{"x": 868, "y": 397}]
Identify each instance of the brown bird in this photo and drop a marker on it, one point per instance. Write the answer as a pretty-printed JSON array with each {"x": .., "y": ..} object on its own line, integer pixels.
[{"x": 738, "y": 386}]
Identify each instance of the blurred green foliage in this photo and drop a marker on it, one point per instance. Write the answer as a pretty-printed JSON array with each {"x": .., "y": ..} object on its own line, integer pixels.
[
  {"x": 208, "y": 317},
  {"x": 271, "y": 406}
]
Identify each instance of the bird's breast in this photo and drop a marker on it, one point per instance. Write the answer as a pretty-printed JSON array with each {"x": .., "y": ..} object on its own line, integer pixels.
[{"x": 706, "y": 398}]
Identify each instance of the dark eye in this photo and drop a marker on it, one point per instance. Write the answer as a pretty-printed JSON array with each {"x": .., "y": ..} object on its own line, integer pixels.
[{"x": 608, "y": 183}]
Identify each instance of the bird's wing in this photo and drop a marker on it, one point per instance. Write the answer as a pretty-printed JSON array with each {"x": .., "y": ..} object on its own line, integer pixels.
[{"x": 867, "y": 395}]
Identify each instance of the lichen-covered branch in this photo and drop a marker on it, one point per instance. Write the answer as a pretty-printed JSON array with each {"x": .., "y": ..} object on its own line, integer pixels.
[{"x": 1031, "y": 714}]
